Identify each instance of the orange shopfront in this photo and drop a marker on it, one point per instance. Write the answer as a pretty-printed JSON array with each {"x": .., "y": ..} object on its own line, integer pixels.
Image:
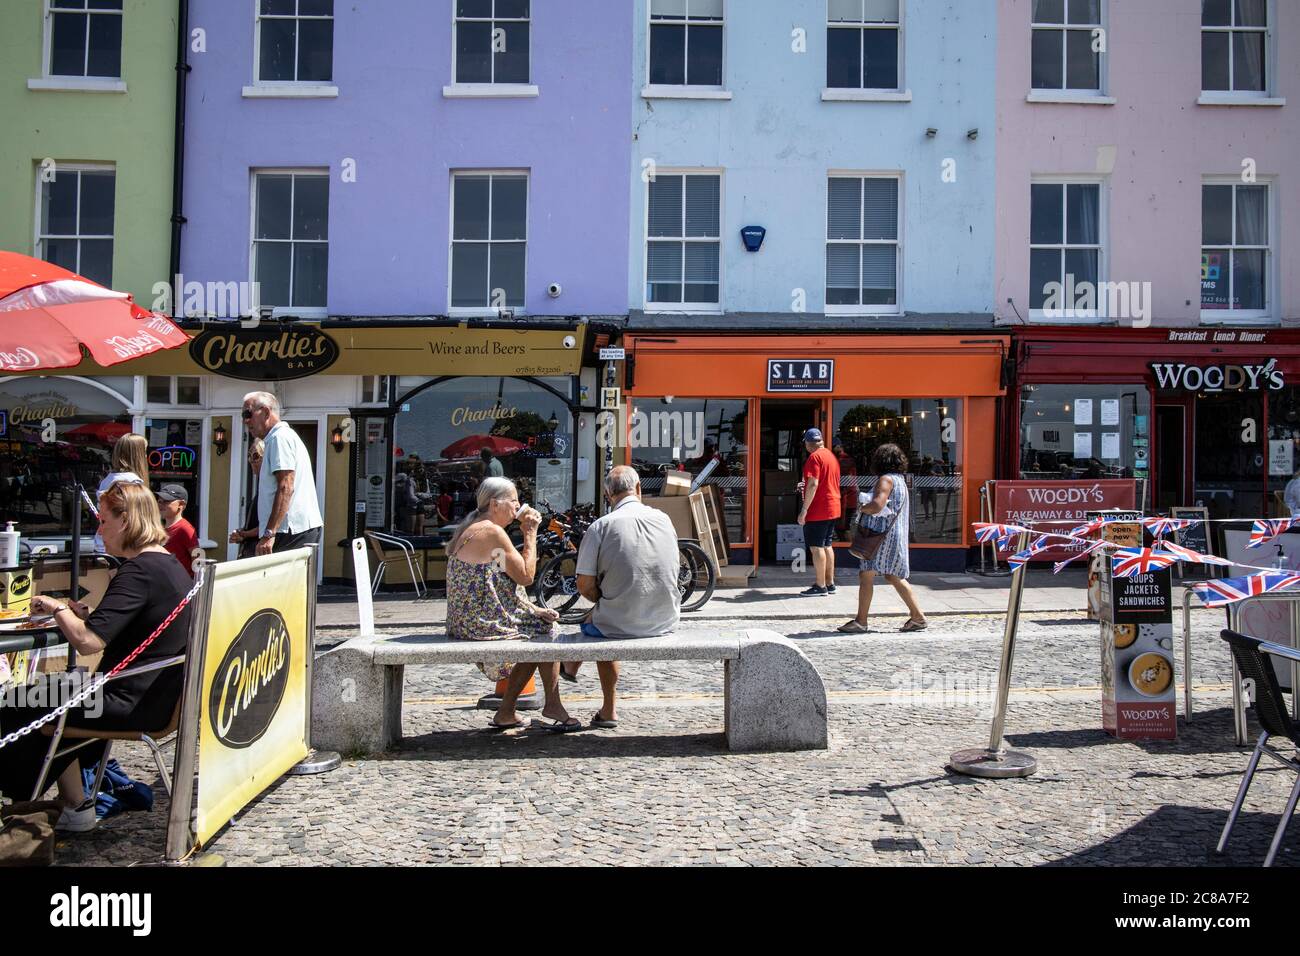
[{"x": 742, "y": 403}]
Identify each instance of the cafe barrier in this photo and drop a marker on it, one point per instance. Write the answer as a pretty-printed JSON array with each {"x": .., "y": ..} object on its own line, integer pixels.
[{"x": 246, "y": 712}]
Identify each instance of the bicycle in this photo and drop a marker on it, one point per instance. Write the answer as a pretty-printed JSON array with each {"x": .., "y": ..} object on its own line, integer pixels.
[{"x": 556, "y": 586}]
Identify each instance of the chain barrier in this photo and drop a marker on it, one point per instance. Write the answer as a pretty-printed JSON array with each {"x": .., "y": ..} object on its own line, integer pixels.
[{"x": 101, "y": 680}]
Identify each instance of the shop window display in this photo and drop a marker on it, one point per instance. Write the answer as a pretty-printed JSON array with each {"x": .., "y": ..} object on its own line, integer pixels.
[
  {"x": 928, "y": 430},
  {"x": 53, "y": 432},
  {"x": 688, "y": 434},
  {"x": 1075, "y": 431},
  {"x": 175, "y": 457},
  {"x": 451, "y": 434}
]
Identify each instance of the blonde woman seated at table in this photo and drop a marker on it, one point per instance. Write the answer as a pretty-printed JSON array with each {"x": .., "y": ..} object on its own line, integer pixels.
[
  {"x": 146, "y": 588},
  {"x": 484, "y": 603}
]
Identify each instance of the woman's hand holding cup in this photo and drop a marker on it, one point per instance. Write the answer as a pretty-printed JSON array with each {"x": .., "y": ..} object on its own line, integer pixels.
[{"x": 529, "y": 520}]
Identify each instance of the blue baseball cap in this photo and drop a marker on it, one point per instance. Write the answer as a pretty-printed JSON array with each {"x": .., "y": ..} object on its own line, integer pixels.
[{"x": 812, "y": 434}]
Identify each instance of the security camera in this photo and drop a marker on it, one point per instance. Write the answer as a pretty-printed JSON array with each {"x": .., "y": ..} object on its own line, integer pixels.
[
  {"x": 554, "y": 290},
  {"x": 570, "y": 342}
]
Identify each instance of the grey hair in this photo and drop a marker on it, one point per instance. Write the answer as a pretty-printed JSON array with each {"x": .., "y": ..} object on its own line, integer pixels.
[
  {"x": 489, "y": 490},
  {"x": 620, "y": 480},
  {"x": 265, "y": 400}
]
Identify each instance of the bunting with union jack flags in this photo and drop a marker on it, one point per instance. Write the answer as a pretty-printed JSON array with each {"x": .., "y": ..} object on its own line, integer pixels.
[
  {"x": 1265, "y": 529},
  {"x": 1193, "y": 557},
  {"x": 1000, "y": 534},
  {"x": 1161, "y": 526},
  {"x": 1060, "y": 566},
  {"x": 1129, "y": 562},
  {"x": 1217, "y": 592}
]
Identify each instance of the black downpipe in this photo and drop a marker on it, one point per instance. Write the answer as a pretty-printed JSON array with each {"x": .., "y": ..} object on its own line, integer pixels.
[{"x": 178, "y": 145}]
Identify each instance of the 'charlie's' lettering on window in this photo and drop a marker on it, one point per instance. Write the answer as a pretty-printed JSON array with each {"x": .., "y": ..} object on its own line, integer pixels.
[{"x": 465, "y": 415}]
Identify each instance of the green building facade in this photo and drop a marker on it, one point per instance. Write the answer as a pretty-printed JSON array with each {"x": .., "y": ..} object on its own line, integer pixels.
[{"x": 87, "y": 93}]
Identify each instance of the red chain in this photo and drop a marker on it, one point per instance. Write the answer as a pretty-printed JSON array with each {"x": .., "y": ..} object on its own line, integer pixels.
[{"x": 198, "y": 583}]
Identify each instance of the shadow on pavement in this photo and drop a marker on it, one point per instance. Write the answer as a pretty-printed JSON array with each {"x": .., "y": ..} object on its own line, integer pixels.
[
  {"x": 455, "y": 745},
  {"x": 1210, "y": 732},
  {"x": 1186, "y": 836}
]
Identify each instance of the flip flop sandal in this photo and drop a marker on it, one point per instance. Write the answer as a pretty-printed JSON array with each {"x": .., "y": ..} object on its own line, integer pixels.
[
  {"x": 557, "y": 726},
  {"x": 853, "y": 627},
  {"x": 913, "y": 626},
  {"x": 602, "y": 723},
  {"x": 571, "y": 678},
  {"x": 494, "y": 727}
]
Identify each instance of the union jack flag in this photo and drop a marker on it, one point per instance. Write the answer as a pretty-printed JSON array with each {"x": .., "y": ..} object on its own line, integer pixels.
[
  {"x": 999, "y": 534},
  {"x": 1039, "y": 545},
  {"x": 1059, "y": 566},
  {"x": 1220, "y": 591},
  {"x": 1263, "y": 529},
  {"x": 1128, "y": 562},
  {"x": 1193, "y": 557},
  {"x": 1083, "y": 530},
  {"x": 1159, "y": 527}
]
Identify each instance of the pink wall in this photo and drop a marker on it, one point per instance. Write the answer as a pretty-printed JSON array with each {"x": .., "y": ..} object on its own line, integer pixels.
[{"x": 1165, "y": 143}]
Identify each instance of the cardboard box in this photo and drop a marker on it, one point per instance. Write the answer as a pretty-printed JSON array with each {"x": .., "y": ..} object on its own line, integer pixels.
[
  {"x": 780, "y": 482},
  {"x": 676, "y": 483},
  {"x": 16, "y": 589},
  {"x": 678, "y": 509},
  {"x": 789, "y": 534},
  {"x": 785, "y": 550}
]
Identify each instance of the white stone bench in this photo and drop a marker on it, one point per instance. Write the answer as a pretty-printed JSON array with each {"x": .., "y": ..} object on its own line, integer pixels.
[{"x": 774, "y": 697}]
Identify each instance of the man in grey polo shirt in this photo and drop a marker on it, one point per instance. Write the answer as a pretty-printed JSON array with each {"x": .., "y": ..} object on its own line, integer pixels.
[{"x": 628, "y": 566}]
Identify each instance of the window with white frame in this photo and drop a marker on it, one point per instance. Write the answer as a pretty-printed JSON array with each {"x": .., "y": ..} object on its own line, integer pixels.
[
  {"x": 75, "y": 225},
  {"x": 686, "y": 42},
  {"x": 295, "y": 41},
  {"x": 863, "y": 44},
  {"x": 489, "y": 240},
  {"x": 1236, "y": 249},
  {"x": 291, "y": 239},
  {"x": 1065, "y": 247},
  {"x": 374, "y": 389},
  {"x": 684, "y": 240},
  {"x": 862, "y": 244},
  {"x": 1068, "y": 41},
  {"x": 173, "y": 390},
  {"x": 492, "y": 41},
  {"x": 1234, "y": 46},
  {"x": 85, "y": 38}
]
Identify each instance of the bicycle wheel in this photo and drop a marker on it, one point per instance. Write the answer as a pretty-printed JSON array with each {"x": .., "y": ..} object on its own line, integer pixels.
[
  {"x": 559, "y": 589},
  {"x": 697, "y": 568}
]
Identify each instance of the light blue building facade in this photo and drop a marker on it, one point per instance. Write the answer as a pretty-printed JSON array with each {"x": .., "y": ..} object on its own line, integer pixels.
[{"x": 774, "y": 132}]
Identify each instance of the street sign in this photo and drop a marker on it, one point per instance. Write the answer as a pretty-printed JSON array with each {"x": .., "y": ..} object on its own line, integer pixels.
[{"x": 611, "y": 355}]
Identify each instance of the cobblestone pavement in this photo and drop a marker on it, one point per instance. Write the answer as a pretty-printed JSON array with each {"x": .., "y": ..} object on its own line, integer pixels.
[{"x": 664, "y": 789}]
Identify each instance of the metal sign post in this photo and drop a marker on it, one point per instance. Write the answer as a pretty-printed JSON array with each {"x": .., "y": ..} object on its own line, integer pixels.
[
  {"x": 180, "y": 830},
  {"x": 316, "y": 761},
  {"x": 610, "y": 382},
  {"x": 994, "y": 761}
]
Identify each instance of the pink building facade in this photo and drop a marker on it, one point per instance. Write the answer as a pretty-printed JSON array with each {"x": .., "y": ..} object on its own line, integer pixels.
[{"x": 1148, "y": 217}]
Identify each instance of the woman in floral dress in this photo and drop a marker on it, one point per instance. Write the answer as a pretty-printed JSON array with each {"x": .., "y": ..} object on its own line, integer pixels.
[
  {"x": 888, "y": 510},
  {"x": 485, "y": 575}
]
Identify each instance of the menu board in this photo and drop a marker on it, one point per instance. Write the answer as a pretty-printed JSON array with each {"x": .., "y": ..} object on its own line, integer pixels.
[
  {"x": 1137, "y": 656},
  {"x": 1197, "y": 537}
]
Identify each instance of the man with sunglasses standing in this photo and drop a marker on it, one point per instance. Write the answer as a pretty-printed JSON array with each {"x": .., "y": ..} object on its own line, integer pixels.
[{"x": 287, "y": 510}]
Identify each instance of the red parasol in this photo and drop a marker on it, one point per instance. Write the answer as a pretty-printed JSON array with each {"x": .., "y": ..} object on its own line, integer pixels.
[
  {"x": 104, "y": 432},
  {"x": 47, "y": 313},
  {"x": 471, "y": 445}
]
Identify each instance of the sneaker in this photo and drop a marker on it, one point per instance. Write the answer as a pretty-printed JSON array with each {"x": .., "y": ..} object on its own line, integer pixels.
[
  {"x": 79, "y": 820},
  {"x": 830, "y": 589},
  {"x": 815, "y": 591}
]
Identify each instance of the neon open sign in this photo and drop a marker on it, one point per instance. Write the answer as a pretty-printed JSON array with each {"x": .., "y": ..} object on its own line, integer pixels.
[{"x": 171, "y": 458}]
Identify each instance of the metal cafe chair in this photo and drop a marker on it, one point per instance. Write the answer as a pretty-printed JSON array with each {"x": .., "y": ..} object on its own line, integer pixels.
[
  {"x": 89, "y": 735},
  {"x": 1249, "y": 654},
  {"x": 383, "y": 546}
]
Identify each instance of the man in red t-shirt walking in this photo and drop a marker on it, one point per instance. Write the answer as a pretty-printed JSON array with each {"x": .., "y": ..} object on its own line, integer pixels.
[{"x": 821, "y": 509}]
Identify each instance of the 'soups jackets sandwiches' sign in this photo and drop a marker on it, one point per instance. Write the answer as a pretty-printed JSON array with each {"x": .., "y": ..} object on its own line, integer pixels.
[{"x": 253, "y": 690}]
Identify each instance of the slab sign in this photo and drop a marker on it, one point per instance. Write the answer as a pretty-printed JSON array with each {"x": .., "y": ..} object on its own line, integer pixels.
[
  {"x": 1137, "y": 657},
  {"x": 266, "y": 353},
  {"x": 800, "y": 375}
]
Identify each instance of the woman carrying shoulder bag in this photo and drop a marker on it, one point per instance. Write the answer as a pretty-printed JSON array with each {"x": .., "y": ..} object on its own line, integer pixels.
[{"x": 880, "y": 539}]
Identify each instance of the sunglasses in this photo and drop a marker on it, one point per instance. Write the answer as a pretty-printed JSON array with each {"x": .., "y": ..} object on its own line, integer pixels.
[{"x": 246, "y": 414}]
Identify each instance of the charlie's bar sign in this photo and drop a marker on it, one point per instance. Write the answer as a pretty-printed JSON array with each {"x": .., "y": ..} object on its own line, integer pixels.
[{"x": 800, "y": 375}]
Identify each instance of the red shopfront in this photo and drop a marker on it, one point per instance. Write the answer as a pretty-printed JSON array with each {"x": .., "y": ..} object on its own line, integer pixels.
[{"x": 1205, "y": 416}]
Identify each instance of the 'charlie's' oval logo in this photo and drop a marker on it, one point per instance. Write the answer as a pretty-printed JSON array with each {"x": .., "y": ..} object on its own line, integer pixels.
[
  {"x": 267, "y": 353},
  {"x": 20, "y": 585},
  {"x": 250, "y": 681}
]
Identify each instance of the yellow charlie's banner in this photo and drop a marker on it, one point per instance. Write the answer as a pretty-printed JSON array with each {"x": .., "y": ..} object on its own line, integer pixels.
[{"x": 253, "y": 689}]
